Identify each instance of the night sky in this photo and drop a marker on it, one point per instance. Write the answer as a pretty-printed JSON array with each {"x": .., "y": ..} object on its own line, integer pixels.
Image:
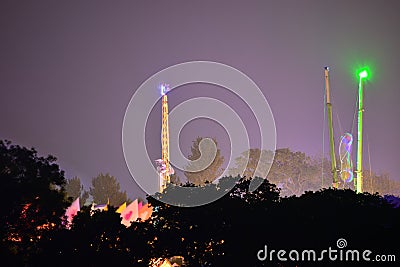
[{"x": 69, "y": 68}]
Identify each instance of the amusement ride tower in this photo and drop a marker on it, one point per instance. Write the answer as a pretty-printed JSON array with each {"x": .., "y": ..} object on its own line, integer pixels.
[{"x": 163, "y": 165}]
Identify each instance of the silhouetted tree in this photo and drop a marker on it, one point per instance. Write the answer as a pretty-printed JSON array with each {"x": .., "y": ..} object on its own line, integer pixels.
[
  {"x": 106, "y": 187},
  {"x": 208, "y": 235},
  {"x": 205, "y": 165},
  {"x": 74, "y": 189},
  {"x": 226, "y": 232},
  {"x": 231, "y": 230},
  {"x": 98, "y": 239},
  {"x": 32, "y": 196}
]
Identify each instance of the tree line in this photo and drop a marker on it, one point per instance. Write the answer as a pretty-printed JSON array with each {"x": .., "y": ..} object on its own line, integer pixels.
[
  {"x": 227, "y": 232},
  {"x": 293, "y": 172},
  {"x": 104, "y": 189}
]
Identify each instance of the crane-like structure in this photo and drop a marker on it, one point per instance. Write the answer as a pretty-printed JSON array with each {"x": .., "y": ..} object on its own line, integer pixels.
[
  {"x": 346, "y": 141},
  {"x": 335, "y": 183}
]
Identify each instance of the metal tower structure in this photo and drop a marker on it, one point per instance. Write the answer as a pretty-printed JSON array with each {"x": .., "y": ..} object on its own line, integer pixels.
[
  {"x": 166, "y": 168},
  {"x": 335, "y": 182},
  {"x": 359, "y": 179}
]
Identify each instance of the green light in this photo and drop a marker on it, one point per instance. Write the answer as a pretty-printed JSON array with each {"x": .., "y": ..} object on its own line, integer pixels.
[{"x": 363, "y": 74}]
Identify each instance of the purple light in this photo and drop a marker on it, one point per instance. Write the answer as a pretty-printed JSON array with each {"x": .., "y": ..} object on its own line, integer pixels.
[
  {"x": 345, "y": 157},
  {"x": 164, "y": 88}
]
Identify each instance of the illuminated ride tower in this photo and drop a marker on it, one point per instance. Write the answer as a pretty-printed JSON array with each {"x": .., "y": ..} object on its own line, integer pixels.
[
  {"x": 358, "y": 182},
  {"x": 163, "y": 167}
]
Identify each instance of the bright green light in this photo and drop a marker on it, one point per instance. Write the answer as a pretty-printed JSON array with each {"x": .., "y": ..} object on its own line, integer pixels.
[{"x": 363, "y": 74}]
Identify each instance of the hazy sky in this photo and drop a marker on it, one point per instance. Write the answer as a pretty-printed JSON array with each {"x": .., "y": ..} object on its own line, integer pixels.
[{"x": 69, "y": 68}]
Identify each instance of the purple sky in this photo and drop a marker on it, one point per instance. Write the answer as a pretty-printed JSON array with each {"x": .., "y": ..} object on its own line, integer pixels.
[{"x": 68, "y": 70}]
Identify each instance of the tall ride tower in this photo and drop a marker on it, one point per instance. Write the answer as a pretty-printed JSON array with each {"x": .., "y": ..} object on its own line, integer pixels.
[
  {"x": 363, "y": 74},
  {"x": 165, "y": 170}
]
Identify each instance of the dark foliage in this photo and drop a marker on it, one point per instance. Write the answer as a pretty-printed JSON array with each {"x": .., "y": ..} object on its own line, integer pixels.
[
  {"x": 32, "y": 200},
  {"x": 227, "y": 232}
]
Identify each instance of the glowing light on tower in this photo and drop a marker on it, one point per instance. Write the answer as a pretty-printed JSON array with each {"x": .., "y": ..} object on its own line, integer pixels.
[
  {"x": 164, "y": 88},
  {"x": 163, "y": 166},
  {"x": 363, "y": 74}
]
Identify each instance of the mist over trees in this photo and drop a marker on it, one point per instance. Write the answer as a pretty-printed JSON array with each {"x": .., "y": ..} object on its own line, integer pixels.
[
  {"x": 249, "y": 162},
  {"x": 295, "y": 173},
  {"x": 292, "y": 172}
]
